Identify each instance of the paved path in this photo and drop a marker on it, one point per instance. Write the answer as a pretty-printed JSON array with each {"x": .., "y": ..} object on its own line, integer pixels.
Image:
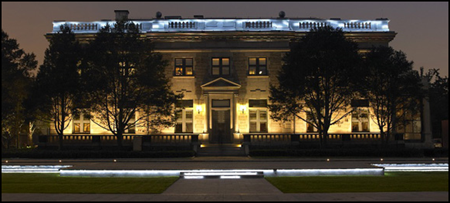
[
  {"x": 308, "y": 197},
  {"x": 226, "y": 190}
]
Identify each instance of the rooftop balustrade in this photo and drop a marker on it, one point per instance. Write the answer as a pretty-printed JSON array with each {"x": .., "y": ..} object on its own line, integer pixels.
[{"x": 221, "y": 25}]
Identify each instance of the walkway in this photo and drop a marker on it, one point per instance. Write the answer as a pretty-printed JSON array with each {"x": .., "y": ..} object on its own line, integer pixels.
[{"x": 226, "y": 190}]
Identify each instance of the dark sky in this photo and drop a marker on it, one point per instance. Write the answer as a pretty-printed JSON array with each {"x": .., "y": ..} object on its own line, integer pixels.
[{"x": 422, "y": 27}]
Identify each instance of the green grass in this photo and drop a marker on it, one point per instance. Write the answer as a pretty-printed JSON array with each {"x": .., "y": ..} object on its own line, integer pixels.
[
  {"x": 53, "y": 183},
  {"x": 390, "y": 182}
]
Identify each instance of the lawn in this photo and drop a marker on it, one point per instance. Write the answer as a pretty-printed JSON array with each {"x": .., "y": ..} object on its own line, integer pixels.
[
  {"x": 53, "y": 183},
  {"x": 390, "y": 182}
]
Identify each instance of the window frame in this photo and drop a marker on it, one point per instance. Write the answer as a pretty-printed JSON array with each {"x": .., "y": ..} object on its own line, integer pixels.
[
  {"x": 131, "y": 130},
  {"x": 309, "y": 117},
  {"x": 361, "y": 120},
  {"x": 258, "y": 108},
  {"x": 220, "y": 66},
  {"x": 184, "y": 121},
  {"x": 183, "y": 67},
  {"x": 81, "y": 121},
  {"x": 411, "y": 126},
  {"x": 257, "y": 66}
]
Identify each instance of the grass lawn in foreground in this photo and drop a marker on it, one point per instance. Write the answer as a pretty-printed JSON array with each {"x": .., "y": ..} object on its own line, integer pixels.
[
  {"x": 390, "y": 182},
  {"x": 54, "y": 183}
]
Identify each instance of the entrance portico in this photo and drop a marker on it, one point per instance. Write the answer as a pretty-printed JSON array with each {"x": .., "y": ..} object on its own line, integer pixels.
[{"x": 220, "y": 95}]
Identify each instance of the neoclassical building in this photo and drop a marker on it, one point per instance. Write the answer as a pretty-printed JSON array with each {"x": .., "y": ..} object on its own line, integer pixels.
[{"x": 224, "y": 66}]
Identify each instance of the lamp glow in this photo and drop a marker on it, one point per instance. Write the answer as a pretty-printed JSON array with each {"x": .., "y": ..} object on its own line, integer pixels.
[
  {"x": 199, "y": 109},
  {"x": 242, "y": 108}
]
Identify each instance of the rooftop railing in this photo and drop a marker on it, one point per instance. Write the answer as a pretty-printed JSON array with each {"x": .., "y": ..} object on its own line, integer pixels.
[{"x": 220, "y": 25}]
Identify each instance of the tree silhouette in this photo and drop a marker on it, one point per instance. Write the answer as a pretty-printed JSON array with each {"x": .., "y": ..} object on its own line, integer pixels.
[
  {"x": 318, "y": 80},
  {"x": 17, "y": 78},
  {"x": 126, "y": 81},
  {"x": 393, "y": 88},
  {"x": 58, "y": 80},
  {"x": 438, "y": 95}
]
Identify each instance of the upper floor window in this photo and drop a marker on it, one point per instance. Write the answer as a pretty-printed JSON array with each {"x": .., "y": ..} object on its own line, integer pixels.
[
  {"x": 257, "y": 66},
  {"x": 184, "y": 66},
  {"x": 127, "y": 69},
  {"x": 220, "y": 66}
]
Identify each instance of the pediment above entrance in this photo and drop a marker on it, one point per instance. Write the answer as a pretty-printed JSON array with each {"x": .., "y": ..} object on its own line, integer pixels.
[{"x": 221, "y": 84}]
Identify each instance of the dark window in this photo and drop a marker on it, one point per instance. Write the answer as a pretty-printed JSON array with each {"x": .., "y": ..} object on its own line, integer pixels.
[
  {"x": 360, "y": 103},
  {"x": 257, "y": 66},
  {"x": 184, "y": 66},
  {"x": 184, "y": 104},
  {"x": 257, "y": 103},
  {"x": 220, "y": 103},
  {"x": 220, "y": 66}
]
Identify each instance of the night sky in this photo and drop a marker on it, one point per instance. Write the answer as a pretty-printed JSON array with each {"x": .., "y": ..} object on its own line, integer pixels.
[{"x": 421, "y": 27}]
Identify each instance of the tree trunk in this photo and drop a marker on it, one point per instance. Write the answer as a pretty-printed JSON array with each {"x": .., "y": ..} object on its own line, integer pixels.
[
  {"x": 30, "y": 133},
  {"x": 63, "y": 117},
  {"x": 382, "y": 136},
  {"x": 119, "y": 141}
]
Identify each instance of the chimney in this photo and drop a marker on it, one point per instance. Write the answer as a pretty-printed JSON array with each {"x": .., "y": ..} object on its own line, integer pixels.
[{"x": 121, "y": 14}]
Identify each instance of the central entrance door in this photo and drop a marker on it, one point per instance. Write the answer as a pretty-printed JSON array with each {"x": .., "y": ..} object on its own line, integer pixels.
[{"x": 221, "y": 132}]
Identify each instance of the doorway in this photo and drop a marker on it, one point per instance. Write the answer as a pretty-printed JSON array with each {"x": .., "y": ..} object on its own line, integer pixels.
[{"x": 221, "y": 132}]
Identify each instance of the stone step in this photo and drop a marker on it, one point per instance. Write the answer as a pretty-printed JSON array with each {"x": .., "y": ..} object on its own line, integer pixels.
[{"x": 221, "y": 150}]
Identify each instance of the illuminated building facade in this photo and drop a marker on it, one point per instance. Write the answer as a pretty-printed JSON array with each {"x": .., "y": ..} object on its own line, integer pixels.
[{"x": 224, "y": 66}]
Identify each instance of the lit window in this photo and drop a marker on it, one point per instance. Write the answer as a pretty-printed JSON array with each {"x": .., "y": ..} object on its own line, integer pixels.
[
  {"x": 360, "y": 119},
  {"x": 360, "y": 115},
  {"x": 185, "y": 116},
  {"x": 81, "y": 122},
  {"x": 310, "y": 127},
  {"x": 257, "y": 66},
  {"x": 131, "y": 124},
  {"x": 258, "y": 116},
  {"x": 127, "y": 69},
  {"x": 220, "y": 66},
  {"x": 184, "y": 66}
]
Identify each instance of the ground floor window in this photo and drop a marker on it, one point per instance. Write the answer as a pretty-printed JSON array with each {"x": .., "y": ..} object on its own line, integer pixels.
[
  {"x": 258, "y": 116},
  {"x": 184, "y": 115},
  {"x": 132, "y": 124},
  {"x": 360, "y": 119},
  {"x": 81, "y": 122},
  {"x": 309, "y": 125},
  {"x": 410, "y": 126}
]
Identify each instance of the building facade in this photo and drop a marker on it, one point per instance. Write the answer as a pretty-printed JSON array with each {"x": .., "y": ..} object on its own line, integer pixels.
[{"x": 224, "y": 67}]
